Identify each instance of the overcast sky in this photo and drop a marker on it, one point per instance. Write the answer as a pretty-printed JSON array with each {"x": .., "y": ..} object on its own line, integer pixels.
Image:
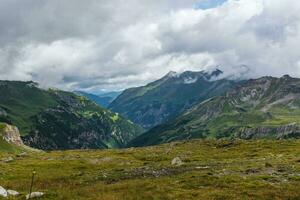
[{"x": 114, "y": 44}]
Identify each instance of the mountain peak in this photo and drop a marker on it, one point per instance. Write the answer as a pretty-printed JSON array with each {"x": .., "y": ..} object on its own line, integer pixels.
[
  {"x": 216, "y": 72},
  {"x": 286, "y": 77},
  {"x": 171, "y": 74}
]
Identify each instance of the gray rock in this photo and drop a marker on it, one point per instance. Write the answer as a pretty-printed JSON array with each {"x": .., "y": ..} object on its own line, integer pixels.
[
  {"x": 8, "y": 159},
  {"x": 12, "y": 193},
  {"x": 3, "y": 192},
  {"x": 23, "y": 154},
  {"x": 34, "y": 195},
  {"x": 177, "y": 161},
  {"x": 280, "y": 132}
]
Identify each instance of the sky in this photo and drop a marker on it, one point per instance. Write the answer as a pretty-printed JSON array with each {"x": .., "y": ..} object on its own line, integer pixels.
[
  {"x": 207, "y": 4},
  {"x": 94, "y": 45}
]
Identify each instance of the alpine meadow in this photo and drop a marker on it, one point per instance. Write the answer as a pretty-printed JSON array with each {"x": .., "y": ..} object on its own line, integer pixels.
[{"x": 150, "y": 100}]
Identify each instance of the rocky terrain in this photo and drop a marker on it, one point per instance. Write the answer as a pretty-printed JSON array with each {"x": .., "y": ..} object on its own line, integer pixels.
[
  {"x": 165, "y": 98},
  {"x": 260, "y": 108}
]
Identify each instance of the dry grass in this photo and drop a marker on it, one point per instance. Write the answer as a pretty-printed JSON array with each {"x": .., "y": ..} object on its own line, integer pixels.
[{"x": 211, "y": 170}]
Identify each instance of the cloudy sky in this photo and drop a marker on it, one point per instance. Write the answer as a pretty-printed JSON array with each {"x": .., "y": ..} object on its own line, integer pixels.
[{"x": 114, "y": 44}]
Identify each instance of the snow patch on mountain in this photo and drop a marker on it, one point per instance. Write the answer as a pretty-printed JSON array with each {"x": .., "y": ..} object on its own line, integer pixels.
[{"x": 190, "y": 80}]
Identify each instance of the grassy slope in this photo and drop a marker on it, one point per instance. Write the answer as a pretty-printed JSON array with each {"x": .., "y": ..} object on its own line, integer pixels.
[
  {"x": 223, "y": 117},
  {"x": 212, "y": 170},
  {"x": 58, "y": 115},
  {"x": 223, "y": 126},
  {"x": 22, "y": 101}
]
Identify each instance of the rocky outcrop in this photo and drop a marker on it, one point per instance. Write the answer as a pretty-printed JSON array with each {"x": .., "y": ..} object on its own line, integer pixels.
[
  {"x": 281, "y": 132},
  {"x": 11, "y": 135}
]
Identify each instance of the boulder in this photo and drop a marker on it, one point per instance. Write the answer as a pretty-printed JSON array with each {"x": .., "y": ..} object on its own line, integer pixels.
[
  {"x": 3, "y": 192},
  {"x": 8, "y": 159},
  {"x": 12, "y": 193},
  {"x": 34, "y": 195},
  {"x": 177, "y": 161}
]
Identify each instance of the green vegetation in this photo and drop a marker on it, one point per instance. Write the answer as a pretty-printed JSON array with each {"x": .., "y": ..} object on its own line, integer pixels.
[
  {"x": 54, "y": 119},
  {"x": 115, "y": 117},
  {"x": 21, "y": 101},
  {"x": 262, "y": 108},
  {"x": 165, "y": 98},
  {"x": 211, "y": 169}
]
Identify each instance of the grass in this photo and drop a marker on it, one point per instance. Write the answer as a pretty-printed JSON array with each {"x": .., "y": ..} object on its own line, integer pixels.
[
  {"x": 262, "y": 169},
  {"x": 115, "y": 117}
]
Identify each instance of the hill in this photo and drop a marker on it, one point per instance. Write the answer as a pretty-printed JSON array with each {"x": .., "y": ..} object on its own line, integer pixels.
[
  {"x": 54, "y": 119},
  {"x": 165, "y": 98},
  {"x": 261, "y": 108},
  {"x": 226, "y": 170}
]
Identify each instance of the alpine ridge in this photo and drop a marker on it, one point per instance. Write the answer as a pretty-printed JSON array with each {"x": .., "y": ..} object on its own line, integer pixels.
[
  {"x": 267, "y": 107},
  {"x": 164, "y": 99}
]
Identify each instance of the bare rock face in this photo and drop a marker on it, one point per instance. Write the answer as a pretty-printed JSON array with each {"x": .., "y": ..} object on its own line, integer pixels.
[
  {"x": 281, "y": 132},
  {"x": 11, "y": 135}
]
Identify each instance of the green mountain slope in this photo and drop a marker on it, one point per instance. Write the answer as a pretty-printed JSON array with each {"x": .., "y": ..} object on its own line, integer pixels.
[
  {"x": 165, "y": 98},
  {"x": 262, "y": 108},
  {"x": 53, "y": 119}
]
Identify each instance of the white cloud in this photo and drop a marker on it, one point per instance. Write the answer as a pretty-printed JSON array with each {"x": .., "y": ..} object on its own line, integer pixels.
[{"x": 95, "y": 45}]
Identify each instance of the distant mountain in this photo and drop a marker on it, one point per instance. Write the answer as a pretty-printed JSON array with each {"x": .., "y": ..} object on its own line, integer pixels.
[
  {"x": 262, "y": 108},
  {"x": 102, "y": 99},
  {"x": 54, "y": 119},
  {"x": 165, "y": 98},
  {"x": 113, "y": 94}
]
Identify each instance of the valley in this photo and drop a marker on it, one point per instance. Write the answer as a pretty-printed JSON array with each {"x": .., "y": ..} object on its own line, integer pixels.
[
  {"x": 233, "y": 140},
  {"x": 150, "y": 100},
  {"x": 52, "y": 119}
]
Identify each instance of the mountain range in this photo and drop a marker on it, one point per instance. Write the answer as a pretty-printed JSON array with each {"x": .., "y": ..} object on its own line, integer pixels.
[
  {"x": 179, "y": 106},
  {"x": 164, "y": 99},
  {"x": 267, "y": 107}
]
